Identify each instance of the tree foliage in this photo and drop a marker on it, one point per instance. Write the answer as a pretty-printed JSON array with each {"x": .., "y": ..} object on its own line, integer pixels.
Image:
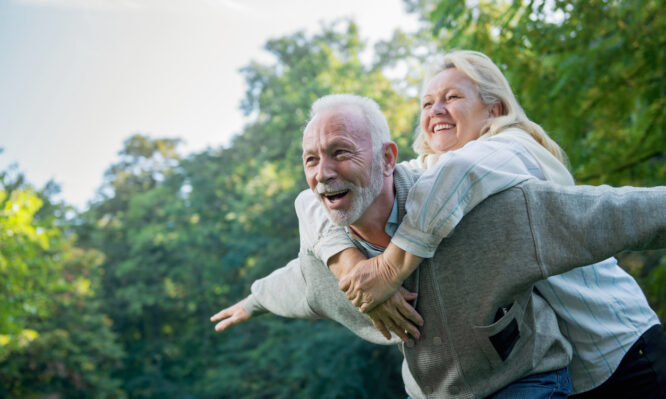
[
  {"x": 115, "y": 302},
  {"x": 53, "y": 340}
]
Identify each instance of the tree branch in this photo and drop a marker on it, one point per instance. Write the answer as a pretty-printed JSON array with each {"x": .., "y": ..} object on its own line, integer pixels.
[{"x": 624, "y": 167}]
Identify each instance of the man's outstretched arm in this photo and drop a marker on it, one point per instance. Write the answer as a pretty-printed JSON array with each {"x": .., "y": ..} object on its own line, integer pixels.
[
  {"x": 281, "y": 293},
  {"x": 582, "y": 225}
]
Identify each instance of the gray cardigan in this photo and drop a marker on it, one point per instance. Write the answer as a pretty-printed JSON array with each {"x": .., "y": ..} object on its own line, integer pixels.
[{"x": 491, "y": 261}]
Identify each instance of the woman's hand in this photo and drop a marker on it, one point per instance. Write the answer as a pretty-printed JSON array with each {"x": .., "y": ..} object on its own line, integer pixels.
[
  {"x": 234, "y": 314},
  {"x": 370, "y": 283},
  {"x": 396, "y": 315},
  {"x": 374, "y": 280}
]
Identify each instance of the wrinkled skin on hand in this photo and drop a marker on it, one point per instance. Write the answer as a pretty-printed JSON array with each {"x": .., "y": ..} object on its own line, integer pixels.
[
  {"x": 396, "y": 315},
  {"x": 370, "y": 283},
  {"x": 374, "y": 280}
]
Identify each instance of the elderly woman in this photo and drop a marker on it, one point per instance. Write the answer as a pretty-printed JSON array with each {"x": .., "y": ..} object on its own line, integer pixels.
[{"x": 470, "y": 115}]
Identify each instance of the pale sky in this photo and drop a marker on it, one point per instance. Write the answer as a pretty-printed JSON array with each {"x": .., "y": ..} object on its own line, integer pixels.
[{"x": 77, "y": 77}]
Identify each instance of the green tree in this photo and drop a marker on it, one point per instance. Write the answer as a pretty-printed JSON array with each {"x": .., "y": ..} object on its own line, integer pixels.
[{"x": 53, "y": 339}]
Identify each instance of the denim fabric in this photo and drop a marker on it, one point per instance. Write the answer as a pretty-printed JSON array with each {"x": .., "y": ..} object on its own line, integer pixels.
[{"x": 549, "y": 385}]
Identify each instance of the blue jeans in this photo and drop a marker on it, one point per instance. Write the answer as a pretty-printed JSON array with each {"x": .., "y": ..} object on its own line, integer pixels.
[
  {"x": 548, "y": 385},
  {"x": 552, "y": 384}
]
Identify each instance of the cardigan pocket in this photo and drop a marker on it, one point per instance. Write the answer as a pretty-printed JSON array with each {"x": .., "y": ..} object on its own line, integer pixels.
[{"x": 505, "y": 336}]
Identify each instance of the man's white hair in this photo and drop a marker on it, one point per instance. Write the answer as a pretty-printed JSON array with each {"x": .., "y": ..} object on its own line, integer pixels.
[{"x": 374, "y": 118}]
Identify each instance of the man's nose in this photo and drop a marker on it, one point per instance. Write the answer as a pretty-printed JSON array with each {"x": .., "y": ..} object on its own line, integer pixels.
[{"x": 326, "y": 170}]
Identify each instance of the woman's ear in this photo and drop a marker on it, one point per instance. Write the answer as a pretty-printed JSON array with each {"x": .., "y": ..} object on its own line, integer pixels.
[{"x": 495, "y": 110}]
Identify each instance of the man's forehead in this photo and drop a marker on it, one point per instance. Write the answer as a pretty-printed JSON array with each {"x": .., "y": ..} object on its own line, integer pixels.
[{"x": 347, "y": 121}]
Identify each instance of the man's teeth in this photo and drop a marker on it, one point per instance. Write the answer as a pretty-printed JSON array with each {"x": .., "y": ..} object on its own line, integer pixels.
[
  {"x": 442, "y": 126},
  {"x": 334, "y": 193}
]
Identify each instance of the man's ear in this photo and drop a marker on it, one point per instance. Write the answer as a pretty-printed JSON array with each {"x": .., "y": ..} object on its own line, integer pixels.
[
  {"x": 495, "y": 110},
  {"x": 390, "y": 155}
]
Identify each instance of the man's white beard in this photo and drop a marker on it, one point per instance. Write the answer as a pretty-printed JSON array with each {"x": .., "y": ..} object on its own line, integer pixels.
[{"x": 363, "y": 197}]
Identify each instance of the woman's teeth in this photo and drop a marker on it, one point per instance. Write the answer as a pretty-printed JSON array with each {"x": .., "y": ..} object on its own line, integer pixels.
[{"x": 442, "y": 126}]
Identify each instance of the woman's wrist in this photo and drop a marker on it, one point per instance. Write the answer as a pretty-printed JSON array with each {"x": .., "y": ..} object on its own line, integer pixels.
[
  {"x": 344, "y": 262},
  {"x": 400, "y": 262}
]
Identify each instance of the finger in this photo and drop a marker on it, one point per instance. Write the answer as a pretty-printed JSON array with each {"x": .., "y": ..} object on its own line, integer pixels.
[
  {"x": 369, "y": 305},
  {"x": 351, "y": 295},
  {"x": 396, "y": 329},
  {"x": 410, "y": 328},
  {"x": 408, "y": 295},
  {"x": 391, "y": 318},
  {"x": 357, "y": 301},
  {"x": 344, "y": 283},
  {"x": 221, "y": 314},
  {"x": 223, "y": 325},
  {"x": 399, "y": 320},
  {"x": 407, "y": 311},
  {"x": 379, "y": 325}
]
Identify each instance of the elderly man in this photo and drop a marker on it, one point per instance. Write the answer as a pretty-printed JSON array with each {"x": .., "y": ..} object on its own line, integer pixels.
[{"x": 484, "y": 326}]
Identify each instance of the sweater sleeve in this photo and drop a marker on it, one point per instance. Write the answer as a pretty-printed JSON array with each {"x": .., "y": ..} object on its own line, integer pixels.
[
  {"x": 282, "y": 292},
  {"x": 582, "y": 225},
  {"x": 458, "y": 182}
]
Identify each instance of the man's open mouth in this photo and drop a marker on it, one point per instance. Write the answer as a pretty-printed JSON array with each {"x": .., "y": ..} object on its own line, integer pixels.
[{"x": 333, "y": 196}]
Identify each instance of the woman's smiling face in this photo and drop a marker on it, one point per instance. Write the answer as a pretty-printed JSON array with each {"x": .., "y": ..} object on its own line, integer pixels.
[{"x": 452, "y": 113}]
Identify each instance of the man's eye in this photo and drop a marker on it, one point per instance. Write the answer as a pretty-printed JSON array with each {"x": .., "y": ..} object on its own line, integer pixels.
[
  {"x": 451, "y": 97},
  {"x": 426, "y": 105},
  {"x": 340, "y": 152},
  {"x": 309, "y": 160}
]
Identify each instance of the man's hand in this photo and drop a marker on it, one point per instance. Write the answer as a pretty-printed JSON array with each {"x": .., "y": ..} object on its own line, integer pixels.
[
  {"x": 232, "y": 315},
  {"x": 397, "y": 315},
  {"x": 374, "y": 280}
]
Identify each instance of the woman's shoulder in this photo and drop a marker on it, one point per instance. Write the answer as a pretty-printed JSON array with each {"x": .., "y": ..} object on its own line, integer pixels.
[{"x": 511, "y": 133}]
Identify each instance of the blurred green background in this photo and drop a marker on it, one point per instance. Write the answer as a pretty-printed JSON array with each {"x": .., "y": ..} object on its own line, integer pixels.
[{"x": 115, "y": 302}]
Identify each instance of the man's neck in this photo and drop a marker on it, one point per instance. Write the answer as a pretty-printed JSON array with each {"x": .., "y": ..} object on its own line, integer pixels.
[{"x": 371, "y": 227}]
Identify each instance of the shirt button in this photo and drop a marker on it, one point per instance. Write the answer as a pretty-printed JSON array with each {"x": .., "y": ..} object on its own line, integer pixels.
[
  {"x": 410, "y": 343},
  {"x": 427, "y": 390},
  {"x": 454, "y": 390},
  {"x": 437, "y": 341}
]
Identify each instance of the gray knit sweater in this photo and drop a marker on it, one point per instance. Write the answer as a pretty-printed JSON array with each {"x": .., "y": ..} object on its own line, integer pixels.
[{"x": 490, "y": 262}]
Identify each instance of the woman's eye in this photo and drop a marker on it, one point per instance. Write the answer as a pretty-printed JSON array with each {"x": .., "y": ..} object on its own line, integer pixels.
[
  {"x": 451, "y": 97},
  {"x": 426, "y": 105}
]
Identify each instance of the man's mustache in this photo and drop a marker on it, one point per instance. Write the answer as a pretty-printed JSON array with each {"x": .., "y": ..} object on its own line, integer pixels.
[{"x": 338, "y": 185}]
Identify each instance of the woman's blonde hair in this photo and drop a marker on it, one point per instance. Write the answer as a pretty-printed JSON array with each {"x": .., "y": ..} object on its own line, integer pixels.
[{"x": 493, "y": 88}]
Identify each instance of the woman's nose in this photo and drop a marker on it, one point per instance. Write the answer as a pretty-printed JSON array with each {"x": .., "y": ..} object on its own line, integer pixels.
[{"x": 438, "y": 108}]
